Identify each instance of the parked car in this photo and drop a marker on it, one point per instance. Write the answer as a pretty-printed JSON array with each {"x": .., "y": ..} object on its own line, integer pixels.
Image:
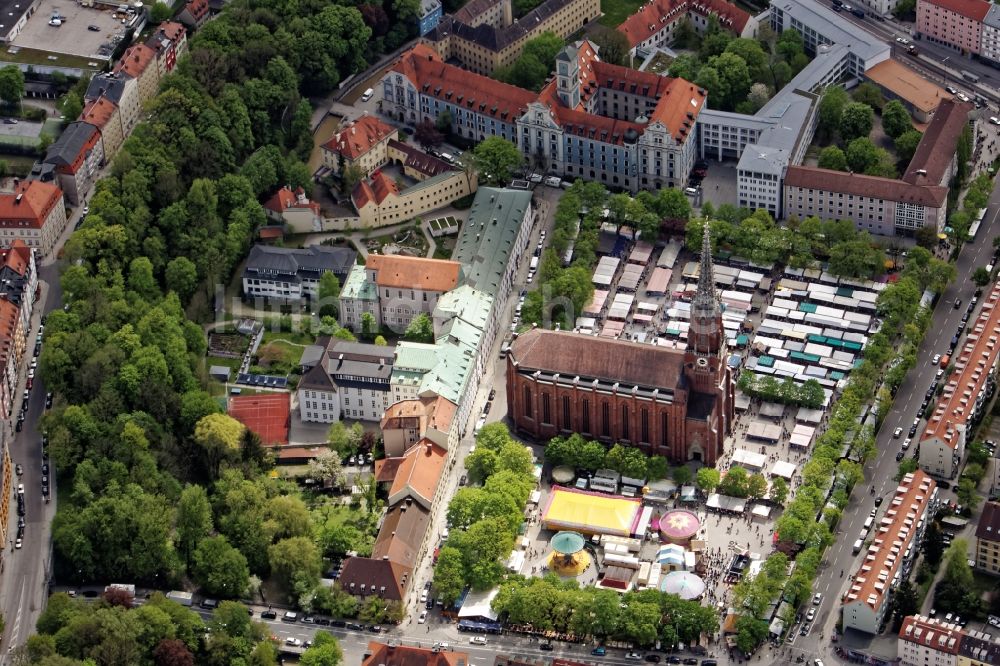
[
  {"x": 422, "y": 618},
  {"x": 545, "y": 647},
  {"x": 599, "y": 651}
]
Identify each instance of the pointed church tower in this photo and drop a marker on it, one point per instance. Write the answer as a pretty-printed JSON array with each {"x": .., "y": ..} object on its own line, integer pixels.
[{"x": 706, "y": 336}]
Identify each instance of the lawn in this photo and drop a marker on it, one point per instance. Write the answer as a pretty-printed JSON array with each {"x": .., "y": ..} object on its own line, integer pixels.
[
  {"x": 37, "y": 57},
  {"x": 298, "y": 338},
  {"x": 616, "y": 11}
]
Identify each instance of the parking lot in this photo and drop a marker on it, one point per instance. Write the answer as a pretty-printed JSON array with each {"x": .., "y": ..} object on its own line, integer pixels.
[{"x": 73, "y": 37}]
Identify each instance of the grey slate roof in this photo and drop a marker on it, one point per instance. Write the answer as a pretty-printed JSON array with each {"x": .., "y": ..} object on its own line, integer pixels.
[
  {"x": 111, "y": 86},
  {"x": 67, "y": 147},
  {"x": 292, "y": 263},
  {"x": 495, "y": 38}
]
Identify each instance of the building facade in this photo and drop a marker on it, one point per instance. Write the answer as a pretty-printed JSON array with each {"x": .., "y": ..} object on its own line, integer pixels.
[
  {"x": 379, "y": 202},
  {"x": 889, "y": 558},
  {"x": 294, "y": 209},
  {"x": 402, "y": 286},
  {"x": 360, "y": 144},
  {"x": 966, "y": 394},
  {"x": 350, "y": 381},
  {"x": 34, "y": 213},
  {"x": 656, "y": 23},
  {"x": 103, "y": 114},
  {"x": 291, "y": 275},
  {"x": 988, "y": 539},
  {"x": 674, "y": 403},
  {"x": 954, "y": 23},
  {"x": 139, "y": 62},
  {"x": 618, "y": 126},
  {"x": 485, "y": 36},
  {"x": 122, "y": 91},
  {"x": 926, "y": 641},
  {"x": 989, "y": 44},
  {"x": 72, "y": 161},
  {"x": 430, "y": 15}
]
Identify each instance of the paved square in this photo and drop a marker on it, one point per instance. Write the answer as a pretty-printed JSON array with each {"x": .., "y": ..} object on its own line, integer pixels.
[{"x": 72, "y": 37}]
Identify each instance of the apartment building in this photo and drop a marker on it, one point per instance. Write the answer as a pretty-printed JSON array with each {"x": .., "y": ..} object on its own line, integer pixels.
[
  {"x": 989, "y": 44},
  {"x": 169, "y": 43},
  {"x": 33, "y": 213},
  {"x": 819, "y": 25},
  {"x": 290, "y": 275},
  {"x": 960, "y": 406},
  {"x": 485, "y": 36},
  {"x": 988, "y": 539},
  {"x": 954, "y": 23},
  {"x": 407, "y": 422},
  {"x": 889, "y": 558},
  {"x": 72, "y": 161},
  {"x": 926, "y": 641},
  {"x": 139, "y": 62},
  {"x": 121, "y": 90},
  {"x": 104, "y": 114},
  {"x": 194, "y": 13},
  {"x": 398, "y": 288},
  {"x": 431, "y": 12},
  {"x": 581, "y": 125},
  {"x": 350, "y": 380},
  {"x": 361, "y": 144},
  {"x": 655, "y": 24}
]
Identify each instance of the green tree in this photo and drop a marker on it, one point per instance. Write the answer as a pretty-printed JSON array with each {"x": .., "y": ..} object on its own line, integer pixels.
[
  {"x": 861, "y": 154},
  {"x": 906, "y": 144},
  {"x": 856, "y": 121},
  {"x": 11, "y": 84},
  {"x": 421, "y": 329},
  {"x": 182, "y": 277},
  {"x": 218, "y": 435},
  {"x": 194, "y": 519},
  {"x": 967, "y": 494},
  {"x": 831, "y": 106},
  {"x": 933, "y": 544},
  {"x": 613, "y": 45},
  {"x": 905, "y": 602},
  {"x": 833, "y": 157},
  {"x": 368, "y": 326},
  {"x": 449, "y": 578},
  {"x": 296, "y": 564},
  {"x": 682, "y": 475},
  {"x": 869, "y": 94},
  {"x": 707, "y": 479},
  {"x": 327, "y": 467},
  {"x": 981, "y": 276},
  {"x": 896, "y": 119},
  {"x": 779, "y": 491},
  {"x": 220, "y": 569},
  {"x": 626, "y": 460},
  {"x": 329, "y": 295},
  {"x": 71, "y": 106},
  {"x": 325, "y": 651},
  {"x": 496, "y": 160}
]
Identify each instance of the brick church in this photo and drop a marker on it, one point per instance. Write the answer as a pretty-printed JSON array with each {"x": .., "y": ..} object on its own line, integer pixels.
[{"x": 670, "y": 402}]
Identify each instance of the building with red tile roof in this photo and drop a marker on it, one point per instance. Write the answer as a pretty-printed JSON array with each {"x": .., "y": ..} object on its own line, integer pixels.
[
  {"x": 33, "y": 213},
  {"x": 379, "y": 202},
  {"x": 381, "y": 654},
  {"x": 105, "y": 115},
  {"x": 655, "y": 23},
  {"x": 961, "y": 403},
  {"x": 268, "y": 415},
  {"x": 893, "y": 547},
  {"x": 361, "y": 143},
  {"x": 140, "y": 62},
  {"x": 418, "y": 474},
  {"x": 955, "y": 23},
  {"x": 294, "y": 209},
  {"x": 194, "y": 14},
  {"x": 594, "y": 120},
  {"x": 408, "y": 421},
  {"x": 169, "y": 43},
  {"x": 925, "y": 640}
]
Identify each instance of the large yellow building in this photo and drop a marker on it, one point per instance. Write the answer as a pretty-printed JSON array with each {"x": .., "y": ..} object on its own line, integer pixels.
[{"x": 484, "y": 36}]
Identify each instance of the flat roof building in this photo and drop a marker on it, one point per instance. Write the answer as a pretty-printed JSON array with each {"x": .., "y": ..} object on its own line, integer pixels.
[{"x": 897, "y": 81}]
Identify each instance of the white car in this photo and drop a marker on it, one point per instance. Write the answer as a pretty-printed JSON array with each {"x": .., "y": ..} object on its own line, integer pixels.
[
  {"x": 811, "y": 615},
  {"x": 477, "y": 640},
  {"x": 906, "y": 443},
  {"x": 536, "y": 177},
  {"x": 995, "y": 120},
  {"x": 936, "y": 359},
  {"x": 423, "y": 596},
  {"x": 817, "y": 599},
  {"x": 422, "y": 618},
  {"x": 17, "y": 544},
  {"x": 294, "y": 642},
  {"x": 896, "y": 433},
  {"x": 901, "y": 40}
]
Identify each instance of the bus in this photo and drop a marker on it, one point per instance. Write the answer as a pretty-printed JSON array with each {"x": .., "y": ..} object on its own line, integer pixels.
[
  {"x": 974, "y": 227},
  {"x": 969, "y": 76}
]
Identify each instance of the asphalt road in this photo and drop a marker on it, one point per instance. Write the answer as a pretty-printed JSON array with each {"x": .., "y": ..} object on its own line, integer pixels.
[
  {"x": 881, "y": 471},
  {"x": 25, "y": 572}
]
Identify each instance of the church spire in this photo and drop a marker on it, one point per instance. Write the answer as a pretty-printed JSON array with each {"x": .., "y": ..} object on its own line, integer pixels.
[
  {"x": 705, "y": 334},
  {"x": 705, "y": 298}
]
